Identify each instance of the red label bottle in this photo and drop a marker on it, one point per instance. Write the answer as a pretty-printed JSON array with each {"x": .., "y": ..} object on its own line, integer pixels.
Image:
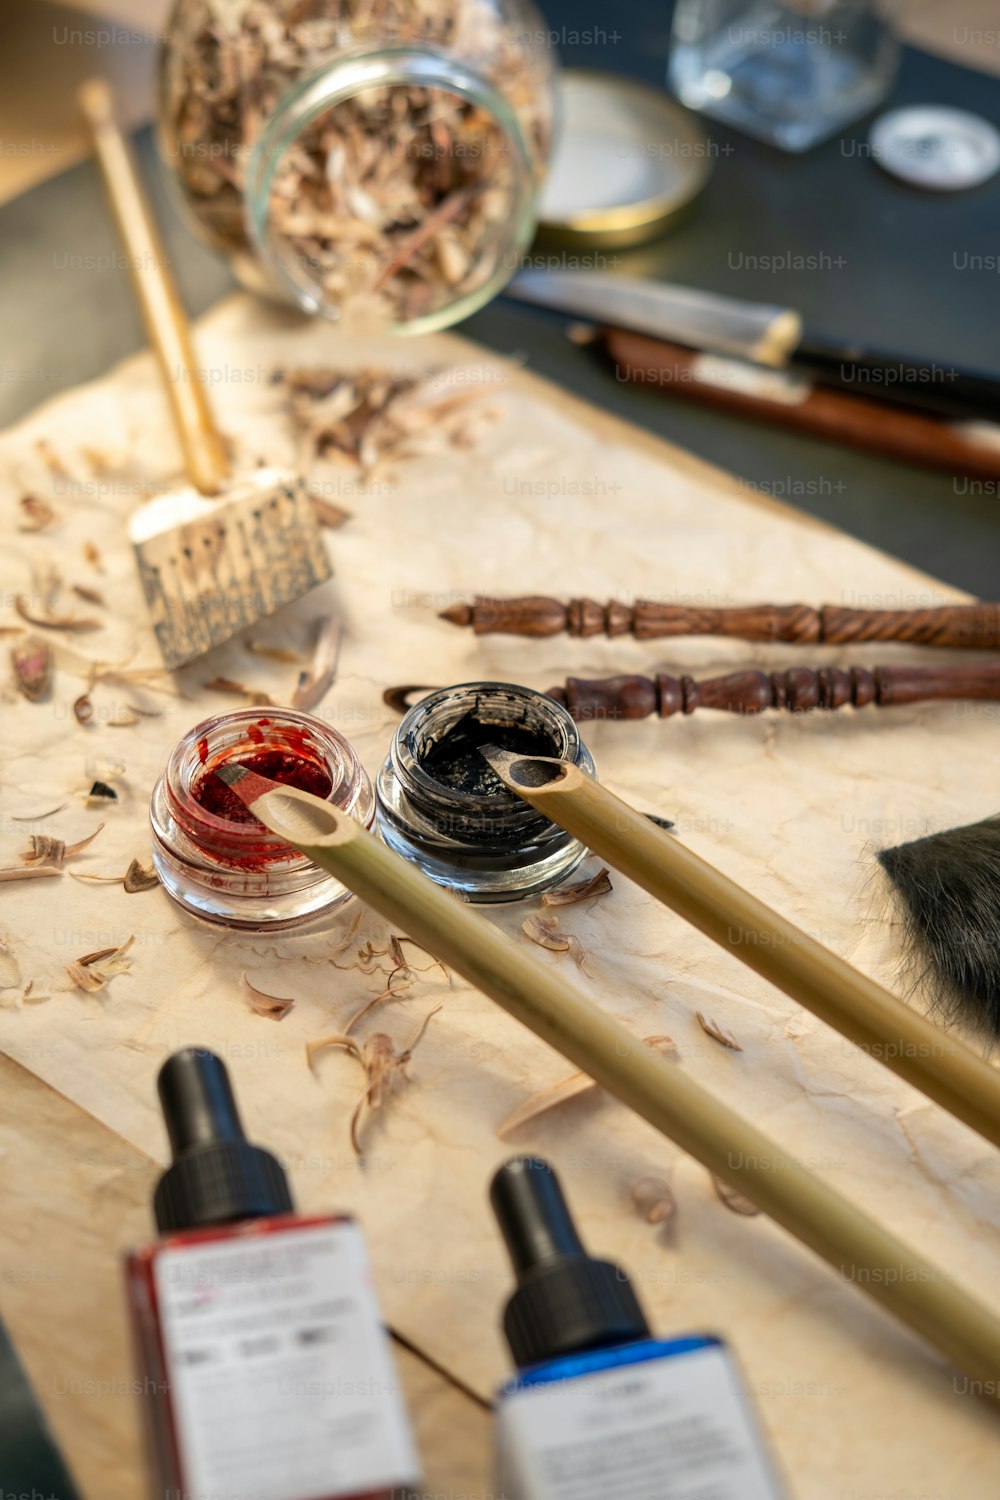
[{"x": 265, "y": 1369}]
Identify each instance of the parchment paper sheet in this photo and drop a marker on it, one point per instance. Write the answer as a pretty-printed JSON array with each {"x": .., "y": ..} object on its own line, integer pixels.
[{"x": 556, "y": 499}]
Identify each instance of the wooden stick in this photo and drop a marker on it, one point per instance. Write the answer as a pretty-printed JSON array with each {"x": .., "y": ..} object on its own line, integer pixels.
[
  {"x": 857, "y": 1247},
  {"x": 798, "y": 690},
  {"x": 166, "y": 323},
  {"x": 927, "y": 1056},
  {"x": 970, "y": 626}
]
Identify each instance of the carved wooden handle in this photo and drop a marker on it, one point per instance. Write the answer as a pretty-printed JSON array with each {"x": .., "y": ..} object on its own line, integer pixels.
[
  {"x": 958, "y": 625},
  {"x": 796, "y": 691}
]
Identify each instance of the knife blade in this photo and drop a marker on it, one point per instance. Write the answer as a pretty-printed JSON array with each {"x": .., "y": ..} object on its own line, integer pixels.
[{"x": 763, "y": 333}]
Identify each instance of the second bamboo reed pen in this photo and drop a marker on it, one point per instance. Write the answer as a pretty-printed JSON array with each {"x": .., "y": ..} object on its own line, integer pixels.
[
  {"x": 927, "y": 1056},
  {"x": 921, "y": 1294}
]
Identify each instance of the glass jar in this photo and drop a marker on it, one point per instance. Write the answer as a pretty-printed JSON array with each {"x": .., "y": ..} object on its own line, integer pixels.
[
  {"x": 373, "y": 156},
  {"x": 790, "y": 73},
  {"x": 454, "y": 818},
  {"x": 213, "y": 857}
]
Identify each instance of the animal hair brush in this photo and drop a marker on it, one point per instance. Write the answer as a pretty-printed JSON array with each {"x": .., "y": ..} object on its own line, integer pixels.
[
  {"x": 948, "y": 889},
  {"x": 223, "y": 553}
]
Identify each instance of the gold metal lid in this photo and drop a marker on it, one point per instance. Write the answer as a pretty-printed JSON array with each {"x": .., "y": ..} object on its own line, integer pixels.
[{"x": 628, "y": 160}]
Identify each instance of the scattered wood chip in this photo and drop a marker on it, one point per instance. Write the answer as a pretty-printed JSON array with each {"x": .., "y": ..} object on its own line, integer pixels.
[
  {"x": 89, "y": 595},
  {"x": 10, "y": 969},
  {"x": 381, "y": 1063},
  {"x": 329, "y": 515},
  {"x": 32, "y": 663},
  {"x": 718, "y": 1033},
  {"x": 35, "y": 514},
  {"x": 654, "y": 1199},
  {"x": 274, "y": 653},
  {"x": 139, "y": 877},
  {"x": 316, "y": 680},
  {"x": 94, "y": 971},
  {"x": 51, "y": 621},
  {"x": 569, "y": 1088},
  {"x": 93, "y": 557},
  {"x": 100, "y": 793},
  {"x": 44, "y": 850},
  {"x": 579, "y": 890},
  {"x": 254, "y": 698},
  {"x": 734, "y": 1200},
  {"x": 83, "y": 709},
  {"x": 30, "y": 872},
  {"x": 51, "y": 459},
  {"x": 275, "y": 1007},
  {"x": 369, "y": 417},
  {"x": 545, "y": 932},
  {"x": 37, "y": 817}
]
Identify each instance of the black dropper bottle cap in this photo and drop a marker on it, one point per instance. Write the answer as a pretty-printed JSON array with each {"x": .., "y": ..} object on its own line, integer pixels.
[
  {"x": 565, "y": 1300},
  {"x": 217, "y": 1176}
]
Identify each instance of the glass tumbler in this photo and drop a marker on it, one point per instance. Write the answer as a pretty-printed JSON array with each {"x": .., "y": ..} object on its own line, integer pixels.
[{"x": 791, "y": 74}]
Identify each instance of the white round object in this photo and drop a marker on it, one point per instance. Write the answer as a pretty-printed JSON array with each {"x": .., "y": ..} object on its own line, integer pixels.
[
  {"x": 936, "y": 147},
  {"x": 627, "y": 157}
]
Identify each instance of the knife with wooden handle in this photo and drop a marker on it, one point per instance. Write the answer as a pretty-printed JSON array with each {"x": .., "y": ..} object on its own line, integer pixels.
[{"x": 968, "y": 448}]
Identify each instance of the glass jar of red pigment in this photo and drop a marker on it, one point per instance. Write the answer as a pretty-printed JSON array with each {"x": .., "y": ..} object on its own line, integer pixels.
[{"x": 213, "y": 856}]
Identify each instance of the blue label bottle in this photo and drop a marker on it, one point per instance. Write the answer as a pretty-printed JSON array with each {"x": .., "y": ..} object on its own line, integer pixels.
[{"x": 601, "y": 1410}]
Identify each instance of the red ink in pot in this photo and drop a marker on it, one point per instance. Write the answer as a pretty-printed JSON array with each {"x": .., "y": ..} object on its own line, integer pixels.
[{"x": 214, "y": 858}]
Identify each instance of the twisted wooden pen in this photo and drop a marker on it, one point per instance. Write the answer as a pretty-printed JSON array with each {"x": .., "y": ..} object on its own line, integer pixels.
[{"x": 956, "y": 625}]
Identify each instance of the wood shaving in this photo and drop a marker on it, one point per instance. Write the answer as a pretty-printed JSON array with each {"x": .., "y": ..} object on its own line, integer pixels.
[
  {"x": 254, "y": 698},
  {"x": 394, "y": 198},
  {"x": 718, "y": 1033},
  {"x": 94, "y": 971},
  {"x": 32, "y": 663},
  {"x": 10, "y": 969},
  {"x": 83, "y": 709},
  {"x": 45, "y": 850},
  {"x": 30, "y": 872},
  {"x": 89, "y": 595},
  {"x": 569, "y": 1088},
  {"x": 37, "y": 817},
  {"x": 274, "y": 653},
  {"x": 381, "y": 1063},
  {"x": 654, "y": 1199},
  {"x": 52, "y": 460},
  {"x": 93, "y": 557},
  {"x": 139, "y": 877},
  {"x": 316, "y": 680},
  {"x": 329, "y": 515},
  {"x": 275, "y": 1007},
  {"x": 35, "y": 514},
  {"x": 52, "y": 621},
  {"x": 369, "y": 418},
  {"x": 579, "y": 890},
  {"x": 734, "y": 1200},
  {"x": 545, "y": 932}
]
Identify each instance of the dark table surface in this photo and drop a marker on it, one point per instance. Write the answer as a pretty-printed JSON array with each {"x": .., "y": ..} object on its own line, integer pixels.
[{"x": 894, "y": 268}]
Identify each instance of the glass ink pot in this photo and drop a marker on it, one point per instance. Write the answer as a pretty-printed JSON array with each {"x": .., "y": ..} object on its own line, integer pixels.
[
  {"x": 213, "y": 857},
  {"x": 440, "y": 806}
]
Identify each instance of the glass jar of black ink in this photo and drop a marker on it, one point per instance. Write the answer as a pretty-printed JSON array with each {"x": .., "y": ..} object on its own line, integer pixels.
[{"x": 440, "y": 805}]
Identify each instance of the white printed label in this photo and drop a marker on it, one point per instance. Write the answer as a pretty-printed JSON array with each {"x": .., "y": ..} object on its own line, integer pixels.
[
  {"x": 676, "y": 1428},
  {"x": 282, "y": 1380}
]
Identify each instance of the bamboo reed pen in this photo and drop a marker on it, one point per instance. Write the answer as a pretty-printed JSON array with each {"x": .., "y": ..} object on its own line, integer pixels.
[
  {"x": 166, "y": 323},
  {"x": 941, "y": 1066},
  {"x": 859, "y": 1249}
]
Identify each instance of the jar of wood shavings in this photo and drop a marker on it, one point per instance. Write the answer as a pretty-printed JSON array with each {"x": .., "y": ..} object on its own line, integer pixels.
[{"x": 373, "y": 160}]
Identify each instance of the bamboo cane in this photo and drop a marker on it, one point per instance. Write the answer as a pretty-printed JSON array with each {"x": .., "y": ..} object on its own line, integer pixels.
[
  {"x": 858, "y": 1248},
  {"x": 927, "y": 1056}
]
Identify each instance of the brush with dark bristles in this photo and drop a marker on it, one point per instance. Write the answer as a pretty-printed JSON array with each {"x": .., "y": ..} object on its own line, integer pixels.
[{"x": 948, "y": 886}]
